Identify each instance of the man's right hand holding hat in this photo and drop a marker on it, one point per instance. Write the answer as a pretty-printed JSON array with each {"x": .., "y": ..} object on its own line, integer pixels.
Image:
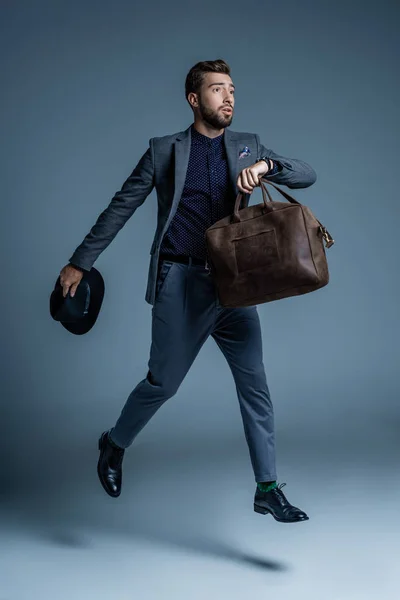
[{"x": 70, "y": 278}]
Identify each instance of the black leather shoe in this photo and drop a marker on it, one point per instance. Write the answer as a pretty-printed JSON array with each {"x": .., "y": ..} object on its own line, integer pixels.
[
  {"x": 109, "y": 466},
  {"x": 275, "y": 503}
]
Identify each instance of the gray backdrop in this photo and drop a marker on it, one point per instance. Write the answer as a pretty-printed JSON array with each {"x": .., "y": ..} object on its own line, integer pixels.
[{"x": 84, "y": 87}]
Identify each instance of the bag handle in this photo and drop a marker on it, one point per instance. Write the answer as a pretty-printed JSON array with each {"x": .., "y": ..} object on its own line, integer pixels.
[
  {"x": 269, "y": 207},
  {"x": 265, "y": 192}
]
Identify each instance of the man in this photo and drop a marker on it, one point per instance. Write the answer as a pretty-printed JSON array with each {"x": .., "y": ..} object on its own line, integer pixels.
[{"x": 197, "y": 174}]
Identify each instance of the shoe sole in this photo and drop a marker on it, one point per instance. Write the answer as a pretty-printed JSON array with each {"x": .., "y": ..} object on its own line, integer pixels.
[
  {"x": 264, "y": 511},
  {"x": 99, "y": 476}
]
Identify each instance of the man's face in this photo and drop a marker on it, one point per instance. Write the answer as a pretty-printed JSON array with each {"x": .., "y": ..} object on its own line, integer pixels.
[{"x": 215, "y": 97}]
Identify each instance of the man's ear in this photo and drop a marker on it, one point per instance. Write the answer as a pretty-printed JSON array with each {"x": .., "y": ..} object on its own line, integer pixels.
[{"x": 195, "y": 100}]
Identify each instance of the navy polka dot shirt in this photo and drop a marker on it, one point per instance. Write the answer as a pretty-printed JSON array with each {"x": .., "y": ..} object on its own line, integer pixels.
[{"x": 205, "y": 197}]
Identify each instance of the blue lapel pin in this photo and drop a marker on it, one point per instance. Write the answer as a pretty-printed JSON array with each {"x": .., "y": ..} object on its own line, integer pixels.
[{"x": 244, "y": 152}]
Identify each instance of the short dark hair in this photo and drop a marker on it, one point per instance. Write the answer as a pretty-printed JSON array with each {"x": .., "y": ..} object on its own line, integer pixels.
[{"x": 195, "y": 77}]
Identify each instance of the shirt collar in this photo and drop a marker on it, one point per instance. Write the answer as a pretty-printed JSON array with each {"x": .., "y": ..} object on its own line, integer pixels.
[{"x": 205, "y": 140}]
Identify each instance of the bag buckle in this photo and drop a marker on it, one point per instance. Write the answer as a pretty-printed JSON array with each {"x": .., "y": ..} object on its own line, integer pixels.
[{"x": 329, "y": 241}]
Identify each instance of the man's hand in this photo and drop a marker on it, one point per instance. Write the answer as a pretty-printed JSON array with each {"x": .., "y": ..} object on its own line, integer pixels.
[
  {"x": 70, "y": 278},
  {"x": 250, "y": 177}
]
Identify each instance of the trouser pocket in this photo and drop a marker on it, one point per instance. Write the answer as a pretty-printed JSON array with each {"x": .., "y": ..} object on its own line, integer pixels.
[{"x": 164, "y": 269}]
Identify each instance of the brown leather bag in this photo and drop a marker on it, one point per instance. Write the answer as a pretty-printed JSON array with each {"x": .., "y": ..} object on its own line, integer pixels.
[{"x": 267, "y": 251}]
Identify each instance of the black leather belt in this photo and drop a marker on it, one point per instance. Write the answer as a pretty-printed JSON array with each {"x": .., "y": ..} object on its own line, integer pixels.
[{"x": 182, "y": 258}]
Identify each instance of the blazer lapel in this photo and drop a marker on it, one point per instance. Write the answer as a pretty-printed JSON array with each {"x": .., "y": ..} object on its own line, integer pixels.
[
  {"x": 182, "y": 153},
  {"x": 232, "y": 152}
]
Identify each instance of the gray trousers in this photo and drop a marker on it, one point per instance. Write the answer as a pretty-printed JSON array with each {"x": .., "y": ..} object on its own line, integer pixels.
[{"x": 185, "y": 312}]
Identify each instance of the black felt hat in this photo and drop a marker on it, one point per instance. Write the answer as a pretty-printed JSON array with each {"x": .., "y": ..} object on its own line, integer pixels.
[{"x": 79, "y": 313}]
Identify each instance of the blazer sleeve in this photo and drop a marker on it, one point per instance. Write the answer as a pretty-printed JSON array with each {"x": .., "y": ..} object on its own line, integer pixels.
[
  {"x": 295, "y": 173},
  {"x": 133, "y": 193}
]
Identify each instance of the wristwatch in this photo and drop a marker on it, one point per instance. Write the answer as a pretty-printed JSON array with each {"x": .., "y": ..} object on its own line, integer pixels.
[
  {"x": 265, "y": 158},
  {"x": 275, "y": 166}
]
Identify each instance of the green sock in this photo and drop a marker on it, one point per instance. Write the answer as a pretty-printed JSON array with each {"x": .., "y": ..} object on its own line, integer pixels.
[{"x": 266, "y": 486}]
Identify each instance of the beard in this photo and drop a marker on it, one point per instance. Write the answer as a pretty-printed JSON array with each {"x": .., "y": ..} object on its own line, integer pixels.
[{"x": 214, "y": 118}]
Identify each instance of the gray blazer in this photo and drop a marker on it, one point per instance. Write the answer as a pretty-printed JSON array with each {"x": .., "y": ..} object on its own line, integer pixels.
[{"x": 164, "y": 166}]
